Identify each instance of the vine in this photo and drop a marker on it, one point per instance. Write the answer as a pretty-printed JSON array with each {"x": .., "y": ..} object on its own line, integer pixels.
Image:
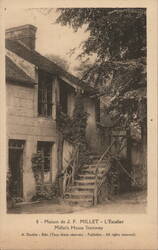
[
  {"x": 74, "y": 129},
  {"x": 43, "y": 192}
]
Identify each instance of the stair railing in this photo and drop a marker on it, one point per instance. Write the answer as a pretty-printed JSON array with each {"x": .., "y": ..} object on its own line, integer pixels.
[
  {"x": 98, "y": 184},
  {"x": 108, "y": 155},
  {"x": 71, "y": 171}
]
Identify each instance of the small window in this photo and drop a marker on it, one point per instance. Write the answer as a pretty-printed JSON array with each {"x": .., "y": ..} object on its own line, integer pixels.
[
  {"x": 45, "y": 94},
  {"x": 45, "y": 148}
]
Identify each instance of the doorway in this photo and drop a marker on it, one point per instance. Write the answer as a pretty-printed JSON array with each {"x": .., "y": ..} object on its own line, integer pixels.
[{"x": 16, "y": 150}]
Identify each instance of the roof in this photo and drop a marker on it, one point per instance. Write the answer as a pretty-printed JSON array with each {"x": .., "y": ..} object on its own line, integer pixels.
[
  {"x": 14, "y": 73},
  {"x": 45, "y": 64}
]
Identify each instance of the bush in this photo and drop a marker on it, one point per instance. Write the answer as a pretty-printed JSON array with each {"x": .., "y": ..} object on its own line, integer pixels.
[
  {"x": 10, "y": 200},
  {"x": 45, "y": 193}
]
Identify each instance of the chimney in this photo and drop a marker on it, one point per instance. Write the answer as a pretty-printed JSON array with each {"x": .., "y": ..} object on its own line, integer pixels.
[{"x": 25, "y": 34}]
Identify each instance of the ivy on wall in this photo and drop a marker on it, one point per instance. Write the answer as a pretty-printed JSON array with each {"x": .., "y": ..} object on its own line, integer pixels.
[
  {"x": 74, "y": 129},
  {"x": 43, "y": 192}
]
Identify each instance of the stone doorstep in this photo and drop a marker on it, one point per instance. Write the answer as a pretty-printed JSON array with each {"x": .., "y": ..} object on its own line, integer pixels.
[
  {"x": 18, "y": 204},
  {"x": 79, "y": 202}
]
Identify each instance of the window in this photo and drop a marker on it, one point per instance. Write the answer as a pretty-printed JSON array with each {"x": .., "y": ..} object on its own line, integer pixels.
[
  {"x": 45, "y": 148},
  {"x": 45, "y": 94}
]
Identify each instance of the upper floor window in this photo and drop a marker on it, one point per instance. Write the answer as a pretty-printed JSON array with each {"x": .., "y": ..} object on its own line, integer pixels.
[{"x": 45, "y": 93}]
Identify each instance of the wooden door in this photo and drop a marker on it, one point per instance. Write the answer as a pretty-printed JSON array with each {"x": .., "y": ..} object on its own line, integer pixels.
[{"x": 16, "y": 168}]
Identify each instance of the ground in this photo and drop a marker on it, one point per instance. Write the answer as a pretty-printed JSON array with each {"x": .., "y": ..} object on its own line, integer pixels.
[{"x": 134, "y": 202}]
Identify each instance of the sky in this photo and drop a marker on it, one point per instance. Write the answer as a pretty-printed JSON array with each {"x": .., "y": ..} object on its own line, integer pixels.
[{"x": 51, "y": 38}]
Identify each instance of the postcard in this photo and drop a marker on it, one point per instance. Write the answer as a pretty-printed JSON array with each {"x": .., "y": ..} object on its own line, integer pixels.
[{"x": 78, "y": 125}]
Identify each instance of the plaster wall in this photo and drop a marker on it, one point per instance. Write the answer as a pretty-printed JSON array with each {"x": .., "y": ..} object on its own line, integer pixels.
[{"x": 91, "y": 130}]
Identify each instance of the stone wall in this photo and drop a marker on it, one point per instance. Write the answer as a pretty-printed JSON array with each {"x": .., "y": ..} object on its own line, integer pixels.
[{"x": 23, "y": 123}]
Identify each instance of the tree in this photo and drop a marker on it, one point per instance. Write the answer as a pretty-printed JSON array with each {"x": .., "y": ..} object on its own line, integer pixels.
[
  {"x": 117, "y": 36},
  {"x": 81, "y": 68}
]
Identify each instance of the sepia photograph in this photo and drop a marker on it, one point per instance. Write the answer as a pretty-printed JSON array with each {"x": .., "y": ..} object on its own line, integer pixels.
[{"x": 76, "y": 98}]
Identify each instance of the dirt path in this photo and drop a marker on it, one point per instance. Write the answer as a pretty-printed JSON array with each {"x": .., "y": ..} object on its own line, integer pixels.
[{"x": 127, "y": 203}]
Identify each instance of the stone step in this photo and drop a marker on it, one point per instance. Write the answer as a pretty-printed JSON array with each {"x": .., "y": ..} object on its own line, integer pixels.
[
  {"x": 89, "y": 188},
  {"x": 89, "y": 166},
  {"x": 96, "y": 161},
  {"x": 86, "y": 176},
  {"x": 88, "y": 172},
  {"x": 94, "y": 165},
  {"x": 92, "y": 171},
  {"x": 80, "y": 202},
  {"x": 85, "y": 182},
  {"x": 79, "y": 195},
  {"x": 94, "y": 156}
]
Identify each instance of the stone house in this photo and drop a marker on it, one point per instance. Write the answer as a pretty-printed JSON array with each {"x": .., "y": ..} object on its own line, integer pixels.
[
  {"x": 38, "y": 92},
  {"x": 35, "y": 86}
]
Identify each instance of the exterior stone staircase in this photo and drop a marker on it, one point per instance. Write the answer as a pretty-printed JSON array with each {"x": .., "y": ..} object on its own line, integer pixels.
[{"x": 82, "y": 192}]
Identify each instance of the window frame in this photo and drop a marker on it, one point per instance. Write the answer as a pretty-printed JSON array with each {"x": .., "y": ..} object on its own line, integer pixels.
[
  {"x": 44, "y": 145},
  {"x": 45, "y": 94}
]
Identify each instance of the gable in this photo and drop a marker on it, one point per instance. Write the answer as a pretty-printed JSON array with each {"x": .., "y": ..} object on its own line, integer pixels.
[
  {"x": 16, "y": 74},
  {"x": 25, "y": 66}
]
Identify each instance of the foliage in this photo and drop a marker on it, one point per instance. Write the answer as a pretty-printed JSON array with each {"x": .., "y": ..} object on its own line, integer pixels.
[
  {"x": 45, "y": 193},
  {"x": 74, "y": 129},
  {"x": 118, "y": 39},
  {"x": 117, "y": 179},
  {"x": 8, "y": 183},
  {"x": 110, "y": 30},
  {"x": 37, "y": 162},
  {"x": 84, "y": 66},
  {"x": 79, "y": 121},
  {"x": 59, "y": 61},
  {"x": 10, "y": 200}
]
